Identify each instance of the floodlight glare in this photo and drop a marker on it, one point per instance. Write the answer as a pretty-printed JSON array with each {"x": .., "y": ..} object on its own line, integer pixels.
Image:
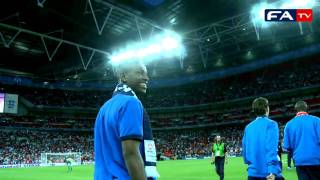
[
  {"x": 257, "y": 14},
  {"x": 298, "y": 4},
  {"x": 166, "y": 45}
]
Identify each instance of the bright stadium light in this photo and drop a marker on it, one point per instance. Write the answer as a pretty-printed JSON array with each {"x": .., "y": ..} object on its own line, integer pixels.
[
  {"x": 298, "y": 4},
  {"x": 257, "y": 14},
  {"x": 166, "y": 45}
]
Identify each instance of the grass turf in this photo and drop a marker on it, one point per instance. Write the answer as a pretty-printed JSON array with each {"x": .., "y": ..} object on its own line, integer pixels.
[{"x": 169, "y": 170}]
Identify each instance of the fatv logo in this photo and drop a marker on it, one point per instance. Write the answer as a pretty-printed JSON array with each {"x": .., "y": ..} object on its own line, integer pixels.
[
  {"x": 297, "y": 15},
  {"x": 273, "y": 15},
  {"x": 304, "y": 15}
]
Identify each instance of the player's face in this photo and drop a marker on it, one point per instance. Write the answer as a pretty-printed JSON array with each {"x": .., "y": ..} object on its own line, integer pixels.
[
  {"x": 218, "y": 138},
  {"x": 137, "y": 78}
]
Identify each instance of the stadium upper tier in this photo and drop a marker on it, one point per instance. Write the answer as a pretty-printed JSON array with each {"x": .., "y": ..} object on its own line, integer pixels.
[
  {"x": 280, "y": 109},
  {"x": 268, "y": 80}
]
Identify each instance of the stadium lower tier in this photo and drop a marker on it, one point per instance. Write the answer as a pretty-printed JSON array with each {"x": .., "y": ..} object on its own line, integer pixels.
[{"x": 25, "y": 147}]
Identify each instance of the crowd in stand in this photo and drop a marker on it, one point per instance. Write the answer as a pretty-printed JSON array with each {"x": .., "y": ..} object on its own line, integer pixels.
[
  {"x": 45, "y": 122},
  {"x": 264, "y": 81},
  {"x": 67, "y": 98},
  {"x": 197, "y": 143},
  {"x": 18, "y": 147},
  {"x": 236, "y": 114},
  {"x": 25, "y": 147},
  {"x": 232, "y": 115},
  {"x": 246, "y": 85}
]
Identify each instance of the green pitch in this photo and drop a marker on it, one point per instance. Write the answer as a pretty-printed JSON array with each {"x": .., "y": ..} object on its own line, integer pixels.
[{"x": 169, "y": 170}]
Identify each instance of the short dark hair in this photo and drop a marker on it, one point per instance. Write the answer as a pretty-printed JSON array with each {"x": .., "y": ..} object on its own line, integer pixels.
[
  {"x": 260, "y": 106},
  {"x": 122, "y": 67},
  {"x": 301, "y": 106}
]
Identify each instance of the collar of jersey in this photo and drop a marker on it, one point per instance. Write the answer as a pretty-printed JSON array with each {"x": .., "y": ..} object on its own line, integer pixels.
[
  {"x": 124, "y": 89},
  {"x": 301, "y": 113}
]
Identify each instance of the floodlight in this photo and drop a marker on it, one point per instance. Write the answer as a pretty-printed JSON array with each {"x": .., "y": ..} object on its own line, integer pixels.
[
  {"x": 165, "y": 45},
  {"x": 298, "y": 4},
  {"x": 257, "y": 14}
]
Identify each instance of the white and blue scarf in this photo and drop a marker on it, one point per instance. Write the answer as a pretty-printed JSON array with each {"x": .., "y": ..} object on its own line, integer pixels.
[{"x": 147, "y": 131}]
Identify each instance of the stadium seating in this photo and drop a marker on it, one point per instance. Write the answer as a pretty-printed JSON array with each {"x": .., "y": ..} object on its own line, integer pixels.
[
  {"x": 264, "y": 81},
  {"x": 197, "y": 143},
  {"x": 61, "y": 133},
  {"x": 25, "y": 147}
]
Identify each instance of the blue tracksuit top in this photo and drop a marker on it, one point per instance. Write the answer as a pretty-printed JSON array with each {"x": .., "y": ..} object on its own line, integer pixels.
[
  {"x": 260, "y": 146},
  {"x": 302, "y": 137}
]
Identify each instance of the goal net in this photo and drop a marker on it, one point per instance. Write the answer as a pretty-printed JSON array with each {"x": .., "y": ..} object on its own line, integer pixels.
[{"x": 59, "y": 159}]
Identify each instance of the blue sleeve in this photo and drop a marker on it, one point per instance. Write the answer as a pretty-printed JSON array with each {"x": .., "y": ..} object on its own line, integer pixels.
[
  {"x": 286, "y": 141},
  {"x": 131, "y": 120},
  {"x": 272, "y": 148},
  {"x": 244, "y": 148},
  {"x": 317, "y": 130}
]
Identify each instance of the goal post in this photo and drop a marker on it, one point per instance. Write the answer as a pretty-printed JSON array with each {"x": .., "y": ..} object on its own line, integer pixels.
[{"x": 58, "y": 159}]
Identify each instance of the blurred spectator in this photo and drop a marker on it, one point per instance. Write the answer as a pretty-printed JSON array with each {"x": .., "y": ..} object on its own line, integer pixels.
[
  {"x": 263, "y": 81},
  {"x": 185, "y": 144},
  {"x": 25, "y": 147}
]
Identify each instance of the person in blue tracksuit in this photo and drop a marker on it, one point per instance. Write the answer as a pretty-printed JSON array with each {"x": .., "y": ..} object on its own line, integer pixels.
[
  {"x": 302, "y": 138},
  {"x": 123, "y": 142},
  {"x": 289, "y": 159},
  {"x": 260, "y": 144}
]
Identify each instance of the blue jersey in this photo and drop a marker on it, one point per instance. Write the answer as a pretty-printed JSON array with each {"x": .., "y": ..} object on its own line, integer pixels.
[
  {"x": 119, "y": 119},
  {"x": 302, "y": 137},
  {"x": 260, "y": 146}
]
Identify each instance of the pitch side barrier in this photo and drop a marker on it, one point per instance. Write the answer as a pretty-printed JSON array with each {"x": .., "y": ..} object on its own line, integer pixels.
[{"x": 42, "y": 165}]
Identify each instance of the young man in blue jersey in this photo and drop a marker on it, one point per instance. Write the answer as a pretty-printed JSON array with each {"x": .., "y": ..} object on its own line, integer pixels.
[
  {"x": 123, "y": 142},
  {"x": 260, "y": 144},
  {"x": 302, "y": 138}
]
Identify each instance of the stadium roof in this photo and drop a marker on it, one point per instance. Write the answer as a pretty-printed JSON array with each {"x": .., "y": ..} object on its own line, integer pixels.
[{"x": 59, "y": 40}]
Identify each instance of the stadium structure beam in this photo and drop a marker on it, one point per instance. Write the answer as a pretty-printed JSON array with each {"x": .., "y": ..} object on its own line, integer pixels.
[
  {"x": 46, "y": 49},
  {"x": 95, "y": 19},
  {"x": 204, "y": 57},
  {"x": 59, "y": 40},
  {"x": 218, "y": 29},
  {"x": 113, "y": 9},
  {"x": 207, "y": 39},
  {"x": 40, "y": 3},
  {"x": 300, "y": 28},
  {"x": 213, "y": 35},
  {"x": 57, "y": 47},
  {"x": 7, "y": 44},
  {"x": 139, "y": 21},
  {"x": 56, "y": 31},
  {"x": 231, "y": 25},
  {"x": 227, "y": 23},
  {"x": 138, "y": 27},
  {"x": 181, "y": 62},
  {"x": 85, "y": 65},
  {"x": 151, "y": 32},
  {"x": 257, "y": 30}
]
